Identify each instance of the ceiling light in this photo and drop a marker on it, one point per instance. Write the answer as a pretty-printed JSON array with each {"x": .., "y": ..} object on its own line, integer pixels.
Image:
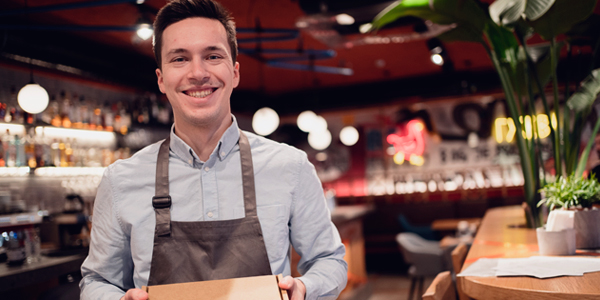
[
  {"x": 344, "y": 19},
  {"x": 308, "y": 121},
  {"x": 265, "y": 121},
  {"x": 140, "y": 1},
  {"x": 305, "y": 120},
  {"x": 364, "y": 28},
  {"x": 319, "y": 140},
  {"x": 33, "y": 98},
  {"x": 437, "y": 59},
  {"x": 145, "y": 31},
  {"x": 349, "y": 135}
]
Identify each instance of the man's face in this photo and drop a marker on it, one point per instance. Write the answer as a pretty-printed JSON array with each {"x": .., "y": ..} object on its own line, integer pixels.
[{"x": 197, "y": 73}]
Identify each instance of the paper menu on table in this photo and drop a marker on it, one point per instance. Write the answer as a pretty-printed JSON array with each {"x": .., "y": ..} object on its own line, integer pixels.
[{"x": 535, "y": 266}]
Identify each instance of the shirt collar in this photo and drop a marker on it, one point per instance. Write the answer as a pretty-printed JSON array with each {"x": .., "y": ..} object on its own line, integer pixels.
[{"x": 226, "y": 144}]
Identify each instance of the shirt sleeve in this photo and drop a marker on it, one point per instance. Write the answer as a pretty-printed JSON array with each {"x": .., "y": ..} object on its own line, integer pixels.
[
  {"x": 316, "y": 239},
  {"x": 107, "y": 271}
]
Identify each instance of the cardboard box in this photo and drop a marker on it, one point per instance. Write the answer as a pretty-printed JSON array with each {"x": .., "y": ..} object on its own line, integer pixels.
[{"x": 247, "y": 288}]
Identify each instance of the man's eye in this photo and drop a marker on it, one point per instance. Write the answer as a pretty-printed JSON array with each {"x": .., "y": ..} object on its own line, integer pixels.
[
  {"x": 178, "y": 59},
  {"x": 213, "y": 57}
]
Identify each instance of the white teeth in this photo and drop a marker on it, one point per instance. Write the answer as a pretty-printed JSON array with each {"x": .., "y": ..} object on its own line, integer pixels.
[{"x": 200, "y": 94}]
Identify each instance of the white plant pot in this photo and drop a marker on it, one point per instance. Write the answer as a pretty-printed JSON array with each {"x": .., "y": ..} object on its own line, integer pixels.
[
  {"x": 556, "y": 242},
  {"x": 587, "y": 227}
]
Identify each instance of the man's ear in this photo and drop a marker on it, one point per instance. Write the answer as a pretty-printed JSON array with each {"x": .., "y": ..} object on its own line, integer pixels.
[
  {"x": 236, "y": 74},
  {"x": 160, "y": 81}
]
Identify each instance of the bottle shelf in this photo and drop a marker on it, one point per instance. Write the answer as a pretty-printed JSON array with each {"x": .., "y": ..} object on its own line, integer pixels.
[
  {"x": 22, "y": 219},
  {"x": 51, "y": 171}
]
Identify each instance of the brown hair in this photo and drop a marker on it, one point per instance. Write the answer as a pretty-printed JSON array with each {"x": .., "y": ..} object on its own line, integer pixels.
[{"x": 179, "y": 10}]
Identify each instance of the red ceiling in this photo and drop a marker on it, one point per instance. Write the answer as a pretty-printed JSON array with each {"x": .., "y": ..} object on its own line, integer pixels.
[{"x": 370, "y": 63}]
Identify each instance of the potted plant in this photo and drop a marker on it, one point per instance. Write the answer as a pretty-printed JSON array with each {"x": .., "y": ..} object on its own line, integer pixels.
[
  {"x": 571, "y": 202},
  {"x": 525, "y": 70}
]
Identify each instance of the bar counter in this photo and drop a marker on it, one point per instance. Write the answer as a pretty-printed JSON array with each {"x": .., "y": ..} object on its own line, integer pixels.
[{"x": 502, "y": 234}]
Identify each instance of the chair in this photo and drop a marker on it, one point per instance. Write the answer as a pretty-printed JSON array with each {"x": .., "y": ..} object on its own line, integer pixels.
[
  {"x": 425, "y": 258},
  {"x": 442, "y": 288},
  {"x": 458, "y": 258},
  {"x": 424, "y": 231}
]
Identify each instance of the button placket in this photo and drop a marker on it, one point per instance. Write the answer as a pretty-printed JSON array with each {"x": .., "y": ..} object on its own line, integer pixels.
[{"x": 210, "y": 193}]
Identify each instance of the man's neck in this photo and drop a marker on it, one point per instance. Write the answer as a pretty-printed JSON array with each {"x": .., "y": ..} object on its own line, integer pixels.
[{"x": 202, "y": 139}]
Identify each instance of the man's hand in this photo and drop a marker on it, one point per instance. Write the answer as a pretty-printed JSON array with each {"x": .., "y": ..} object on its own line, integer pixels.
[
  {"x": 135, "y": 294},
  {"x": 295, "y": 288}
]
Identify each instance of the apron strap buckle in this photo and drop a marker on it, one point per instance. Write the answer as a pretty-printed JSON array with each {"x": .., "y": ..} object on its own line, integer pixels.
[{"x": 161, "y": 201}]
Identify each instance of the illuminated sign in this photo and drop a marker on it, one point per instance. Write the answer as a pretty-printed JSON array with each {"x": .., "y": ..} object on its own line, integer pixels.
[
  {"x": 505, "y": 128},
  {"x": 409, "y": 146}
]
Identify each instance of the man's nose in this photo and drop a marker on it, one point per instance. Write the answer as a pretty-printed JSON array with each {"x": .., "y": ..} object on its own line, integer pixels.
[{"x": 198, "y": 70}]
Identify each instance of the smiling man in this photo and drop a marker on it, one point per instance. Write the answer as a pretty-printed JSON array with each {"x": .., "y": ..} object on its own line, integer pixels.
[{"x": 210, "y": 201}]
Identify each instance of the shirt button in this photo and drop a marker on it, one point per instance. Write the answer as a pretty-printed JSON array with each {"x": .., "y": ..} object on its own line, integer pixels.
[
  {"x": 210, "y": 214},
  {"x": 206, "y": 169},
  {"x": 222, "y": 153},
  {"x": 190, "y": 161}
]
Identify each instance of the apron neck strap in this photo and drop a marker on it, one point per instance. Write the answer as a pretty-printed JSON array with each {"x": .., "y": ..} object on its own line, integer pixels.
[{"x": 247, "y": 176}]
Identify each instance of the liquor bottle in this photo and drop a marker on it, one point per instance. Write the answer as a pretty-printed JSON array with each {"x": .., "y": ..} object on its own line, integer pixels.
[
  {"x": 56, "y": 118},
  {"x": 48, "y": 113},
  {"x": 75, "y": 113},
  {"x": 39, "y": 150},
  {"x": 9, "y": 160},
  {"x": 12, "y": 151},
  {"x": 99, "y": 118},
  {"x": 55, "y": 153},
  {"x": 20, "y": 149},
  {"x": 2, "y": 110},
  {"x": 85, "y": 113},
  {"x": 15, "y": 250},
  {"x": 62, "y": 154},
  {"x": 8, "y": 117},
  {"x": 68, "y": 153},
  {"x": 108, "y": 117},
  {"x": 17, "y": 113},
  {"x": 29, "y": 148},
  {"x": 65, "y": 111},
  {"x": 46, "y": 151}
]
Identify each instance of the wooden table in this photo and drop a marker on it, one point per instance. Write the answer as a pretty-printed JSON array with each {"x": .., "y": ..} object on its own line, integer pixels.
[
  {"x": 452, "y": 224},
  {"x": 502, "y": 235}
]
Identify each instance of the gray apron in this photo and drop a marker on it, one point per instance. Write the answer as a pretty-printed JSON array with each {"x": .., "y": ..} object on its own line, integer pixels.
[{"x": 209, "y": 250}]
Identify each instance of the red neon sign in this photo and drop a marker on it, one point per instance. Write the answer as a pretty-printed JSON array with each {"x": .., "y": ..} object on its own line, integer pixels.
[{"x": 411, "y": 143}]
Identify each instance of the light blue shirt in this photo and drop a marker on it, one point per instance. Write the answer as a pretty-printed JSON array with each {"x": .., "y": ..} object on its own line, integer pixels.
[{"x": 290, "y": 204}]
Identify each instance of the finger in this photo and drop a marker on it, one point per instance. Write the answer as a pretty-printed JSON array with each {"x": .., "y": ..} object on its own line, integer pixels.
[
  {"x": 135, "y": 294},
  {"x": 287, "y": 283}
]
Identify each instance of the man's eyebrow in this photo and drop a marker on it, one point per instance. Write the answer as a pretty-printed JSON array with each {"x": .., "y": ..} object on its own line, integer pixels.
[
  {"x": 177, "y": 51},
  {"x": 214, "y": 48}
]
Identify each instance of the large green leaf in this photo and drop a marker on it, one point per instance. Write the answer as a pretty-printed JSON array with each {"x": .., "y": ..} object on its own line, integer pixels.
[
  {"x": 508, "y": 12},
  {"x": 562, "y": 16},
  {"x": 585, "y": 96},
  {"x": 467, "y": 15},
  {"x": 537, "y": 8},
  {"x": 417, "y": 8},
  {"x": 504, "y": 44}
]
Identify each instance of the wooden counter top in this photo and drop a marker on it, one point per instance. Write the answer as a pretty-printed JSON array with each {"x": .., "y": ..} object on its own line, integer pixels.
[
  {"x": 502, "y": 235},
  {"x": 47, "y": 268}
]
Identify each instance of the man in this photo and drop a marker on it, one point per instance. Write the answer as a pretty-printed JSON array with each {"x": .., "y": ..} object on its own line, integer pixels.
[{"x": 211, "y": 201}]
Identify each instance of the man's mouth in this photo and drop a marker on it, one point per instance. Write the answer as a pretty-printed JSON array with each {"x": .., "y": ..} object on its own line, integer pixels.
[{"x": 200, "y": 94}]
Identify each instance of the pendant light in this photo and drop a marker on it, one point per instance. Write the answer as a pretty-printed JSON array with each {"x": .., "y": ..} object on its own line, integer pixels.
[{"x": 32, "y": 98}]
